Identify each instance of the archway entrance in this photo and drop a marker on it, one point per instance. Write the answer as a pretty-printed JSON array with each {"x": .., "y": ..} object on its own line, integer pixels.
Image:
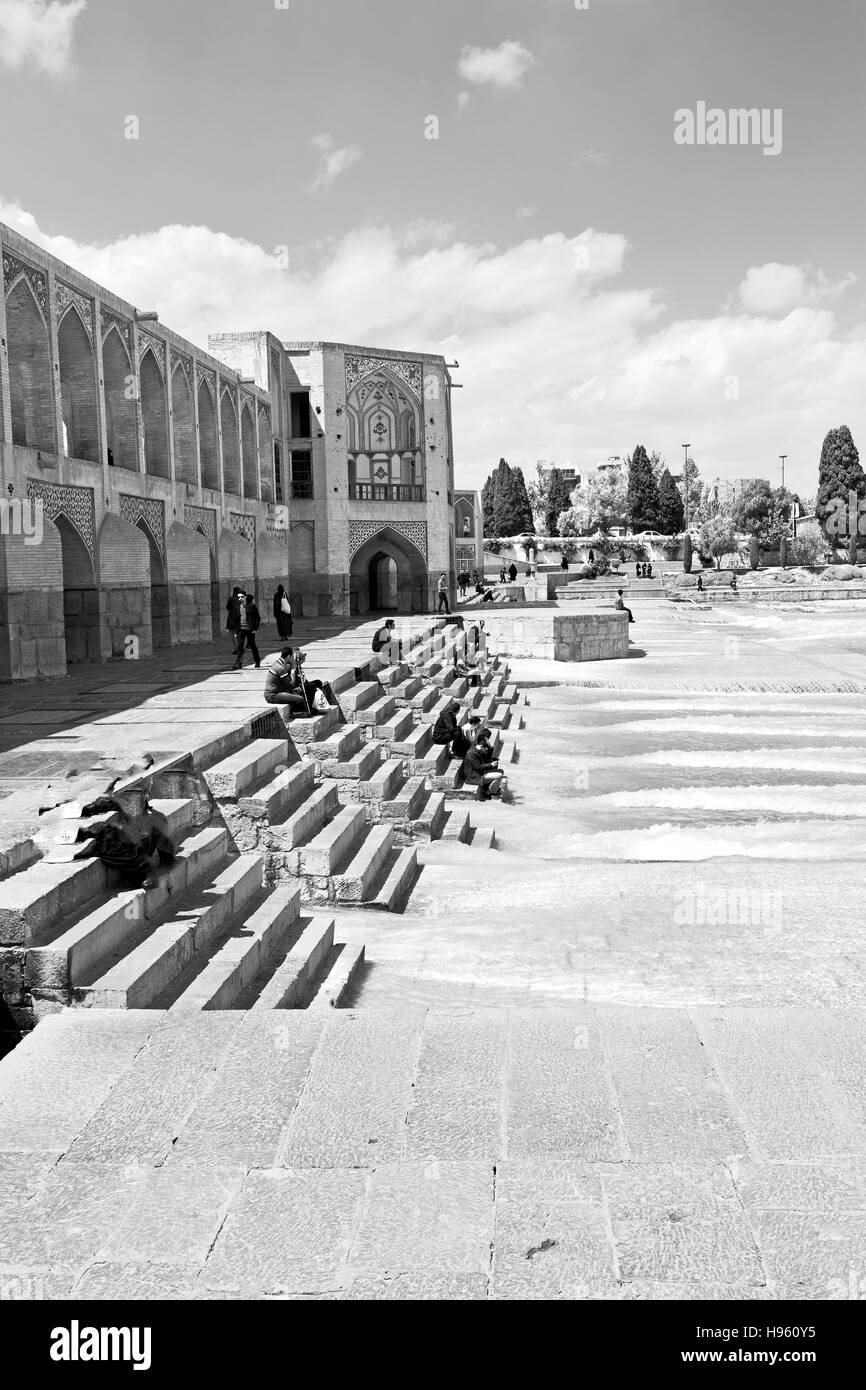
[
  {"x": 388, "y": 574},
  {"x": 80, "y": 597},
  {"x": 160, "y": 624}
]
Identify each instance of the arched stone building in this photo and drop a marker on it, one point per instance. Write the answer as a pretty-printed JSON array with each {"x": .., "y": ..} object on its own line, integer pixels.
[{"x": 161, "y": 475}]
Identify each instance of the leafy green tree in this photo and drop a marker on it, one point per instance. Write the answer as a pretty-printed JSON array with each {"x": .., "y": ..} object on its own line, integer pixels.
[
  {"x": 558, "y": 501},
  {"x": 643, "y": 493},
  {"x": 839, "y": 474},
  {"x": 690, "y": 487},
  {"x": 763, "y": 511},
  {"x": 601, "y": 503},
  {"x": 671, "y": 510},
  {"x": 718, "y": 536}
]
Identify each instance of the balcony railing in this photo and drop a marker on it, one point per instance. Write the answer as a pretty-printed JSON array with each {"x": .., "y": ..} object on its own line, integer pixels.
[{"x": 386, "y": 492}]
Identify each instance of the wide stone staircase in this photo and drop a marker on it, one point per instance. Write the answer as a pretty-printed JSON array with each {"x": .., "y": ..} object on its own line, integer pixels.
[{"x": 308, "y": 817}]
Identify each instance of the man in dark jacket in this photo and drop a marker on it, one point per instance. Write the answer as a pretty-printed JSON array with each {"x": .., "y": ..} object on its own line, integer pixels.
[
  {"x": 446, "y": 730},
  {"x": 512, "y": 571},
  {"x": 250, "y": 621},
  {"x": 282, "y": 687},
  {"x": 233, "y": 616},
  {"x": 479, "y": 769}
]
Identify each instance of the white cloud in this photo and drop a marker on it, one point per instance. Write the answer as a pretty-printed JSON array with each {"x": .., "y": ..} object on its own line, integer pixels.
[
  {"x": 557, "y": 358},
  {"x": 463, "y": 100},
  {"x": 777, "y": 289},
  {"x": 592, "y": 157},
  {"x": 333, "y": 161},
  {"x": 504, "y": 67},
  {"x": 38, "y": 32},
  {"x": 526, "y": 211}
]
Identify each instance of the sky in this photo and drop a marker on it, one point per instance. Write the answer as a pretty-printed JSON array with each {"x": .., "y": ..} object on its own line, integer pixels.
[{"x": 505, "y": 182}]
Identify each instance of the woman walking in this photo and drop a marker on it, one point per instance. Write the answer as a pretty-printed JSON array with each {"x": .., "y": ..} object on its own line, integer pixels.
[{"x": 283, "y": 613}]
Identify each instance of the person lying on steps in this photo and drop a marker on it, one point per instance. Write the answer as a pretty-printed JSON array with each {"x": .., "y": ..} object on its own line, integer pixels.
[{"x": 130, "y": 843}]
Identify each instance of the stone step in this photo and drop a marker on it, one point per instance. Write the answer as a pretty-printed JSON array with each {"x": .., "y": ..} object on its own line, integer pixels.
[
  {"x": 385, "y": 782},
  {"x": 509, "y": 694},
  {"x": 397, "y": 728},
  {"x": 371, "y": 716},
  {"x": 501, "y": 716},
  {"x": 405, "y": 692},
  {"x": 415, "y": 745},
  {"x": 435, "y": 817},
  {"x": 81, "y": 950},
  {"x": 432, "y": 763},
  {"x": 179, "y": 813},
  {"x": 356, "y": 881},
  {"x": 140, "y": 977},
  {"x": 278, "y": 797},
  {"x": 237, "y": 774},
  {"x": 304, "y": 731},
  {"x": 426, "y": 699},
  {"x": 245, "y": 953},
  {"x": 339, "y": 747},
  {"x": 293, "y": 978},
  {"x": 361, "y": 766},
  {"x": 301, "y": 825},
  {"x": 39, "y": 903},
  {"x": 359, "y": 697},
  {"x": 400, "y": 873},
  {"x": 458, "y": 826},
  {"x": 344, "y": 963},
  {"x": 333, "y": 844},
  {"x": 389, "y": 677},
  {"x": 431, "y": 715},
  {"x": 408, "y": 803}
]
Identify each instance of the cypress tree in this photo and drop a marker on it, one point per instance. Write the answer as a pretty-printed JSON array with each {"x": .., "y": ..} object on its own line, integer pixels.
[
  {"x": 839, "y": 473},
  {"x": 488, "y": 510},
  {"x": 558, "y": 501},
  {"x": 643, "y": 493},
  {"x": 671, "y": 511},
  {"x": 512, "y": 512}
]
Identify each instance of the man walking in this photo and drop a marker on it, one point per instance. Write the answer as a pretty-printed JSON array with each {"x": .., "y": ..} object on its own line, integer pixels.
[
  {"x": 443, "y": 595},
  {"x": 249, "y": 622}
]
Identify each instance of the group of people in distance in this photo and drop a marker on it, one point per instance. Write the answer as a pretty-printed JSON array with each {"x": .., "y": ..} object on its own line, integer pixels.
[{"x": 643, "y": 571}]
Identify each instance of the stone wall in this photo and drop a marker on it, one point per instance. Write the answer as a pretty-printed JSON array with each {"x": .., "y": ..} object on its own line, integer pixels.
[{"x": 595, "y": 636}]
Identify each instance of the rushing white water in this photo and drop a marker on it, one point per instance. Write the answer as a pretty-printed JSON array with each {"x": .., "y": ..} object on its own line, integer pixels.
[{"x": 800, "y": 841}]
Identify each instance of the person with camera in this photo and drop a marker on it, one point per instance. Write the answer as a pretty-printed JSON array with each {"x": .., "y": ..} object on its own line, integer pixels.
[
  {"x": 284, "y": 684},
  {"x": 480, "y": 770}
]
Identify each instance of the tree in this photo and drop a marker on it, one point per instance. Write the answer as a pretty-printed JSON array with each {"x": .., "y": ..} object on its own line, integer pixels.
[
  {"x": 763, "y": 511},
  {"x": 512, "y": 514},
  {"x": 643, "y": 493},
  {"x": 537, "y": 491},
  {"x": 839, "y": 474},
  {"x": 690, "y": 487},
  {"x": 558, "y": 501},
  {"x": 601, "y": 503},
  {"x": 718, "y": 536},
  {"x": 671, "y": 510},
  {"x": 488, "y": 510}
]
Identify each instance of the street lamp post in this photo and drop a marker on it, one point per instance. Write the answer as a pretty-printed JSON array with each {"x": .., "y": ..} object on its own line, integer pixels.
[
  {"x": 686, "y": 448},
  {"x": 783, "y": 457}
]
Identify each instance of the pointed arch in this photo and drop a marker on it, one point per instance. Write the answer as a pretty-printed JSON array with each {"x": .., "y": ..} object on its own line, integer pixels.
[
  {"x": 78, "y": 387},
  {"x": 208, "y": 438},
  {"x": 248, "y": 451},
  {"x": 154, "y": 413},
  {"x": 31, "y": 379},
  {"x": 120, "y": 420},
  {"x": 183, "y": 428},
  {"x": 266, "y": 458},
  {"x": 231, "y": 455}
]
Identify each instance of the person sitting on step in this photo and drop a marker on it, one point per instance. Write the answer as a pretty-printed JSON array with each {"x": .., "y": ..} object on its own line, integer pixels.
[
  {"x": 480, "y": 770},
  {"x": 620, "y": 606},
  {"x": 131, "y": 842},
  {"x": 447, "y": 731},
  {"x": 283, "y": 685}
]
